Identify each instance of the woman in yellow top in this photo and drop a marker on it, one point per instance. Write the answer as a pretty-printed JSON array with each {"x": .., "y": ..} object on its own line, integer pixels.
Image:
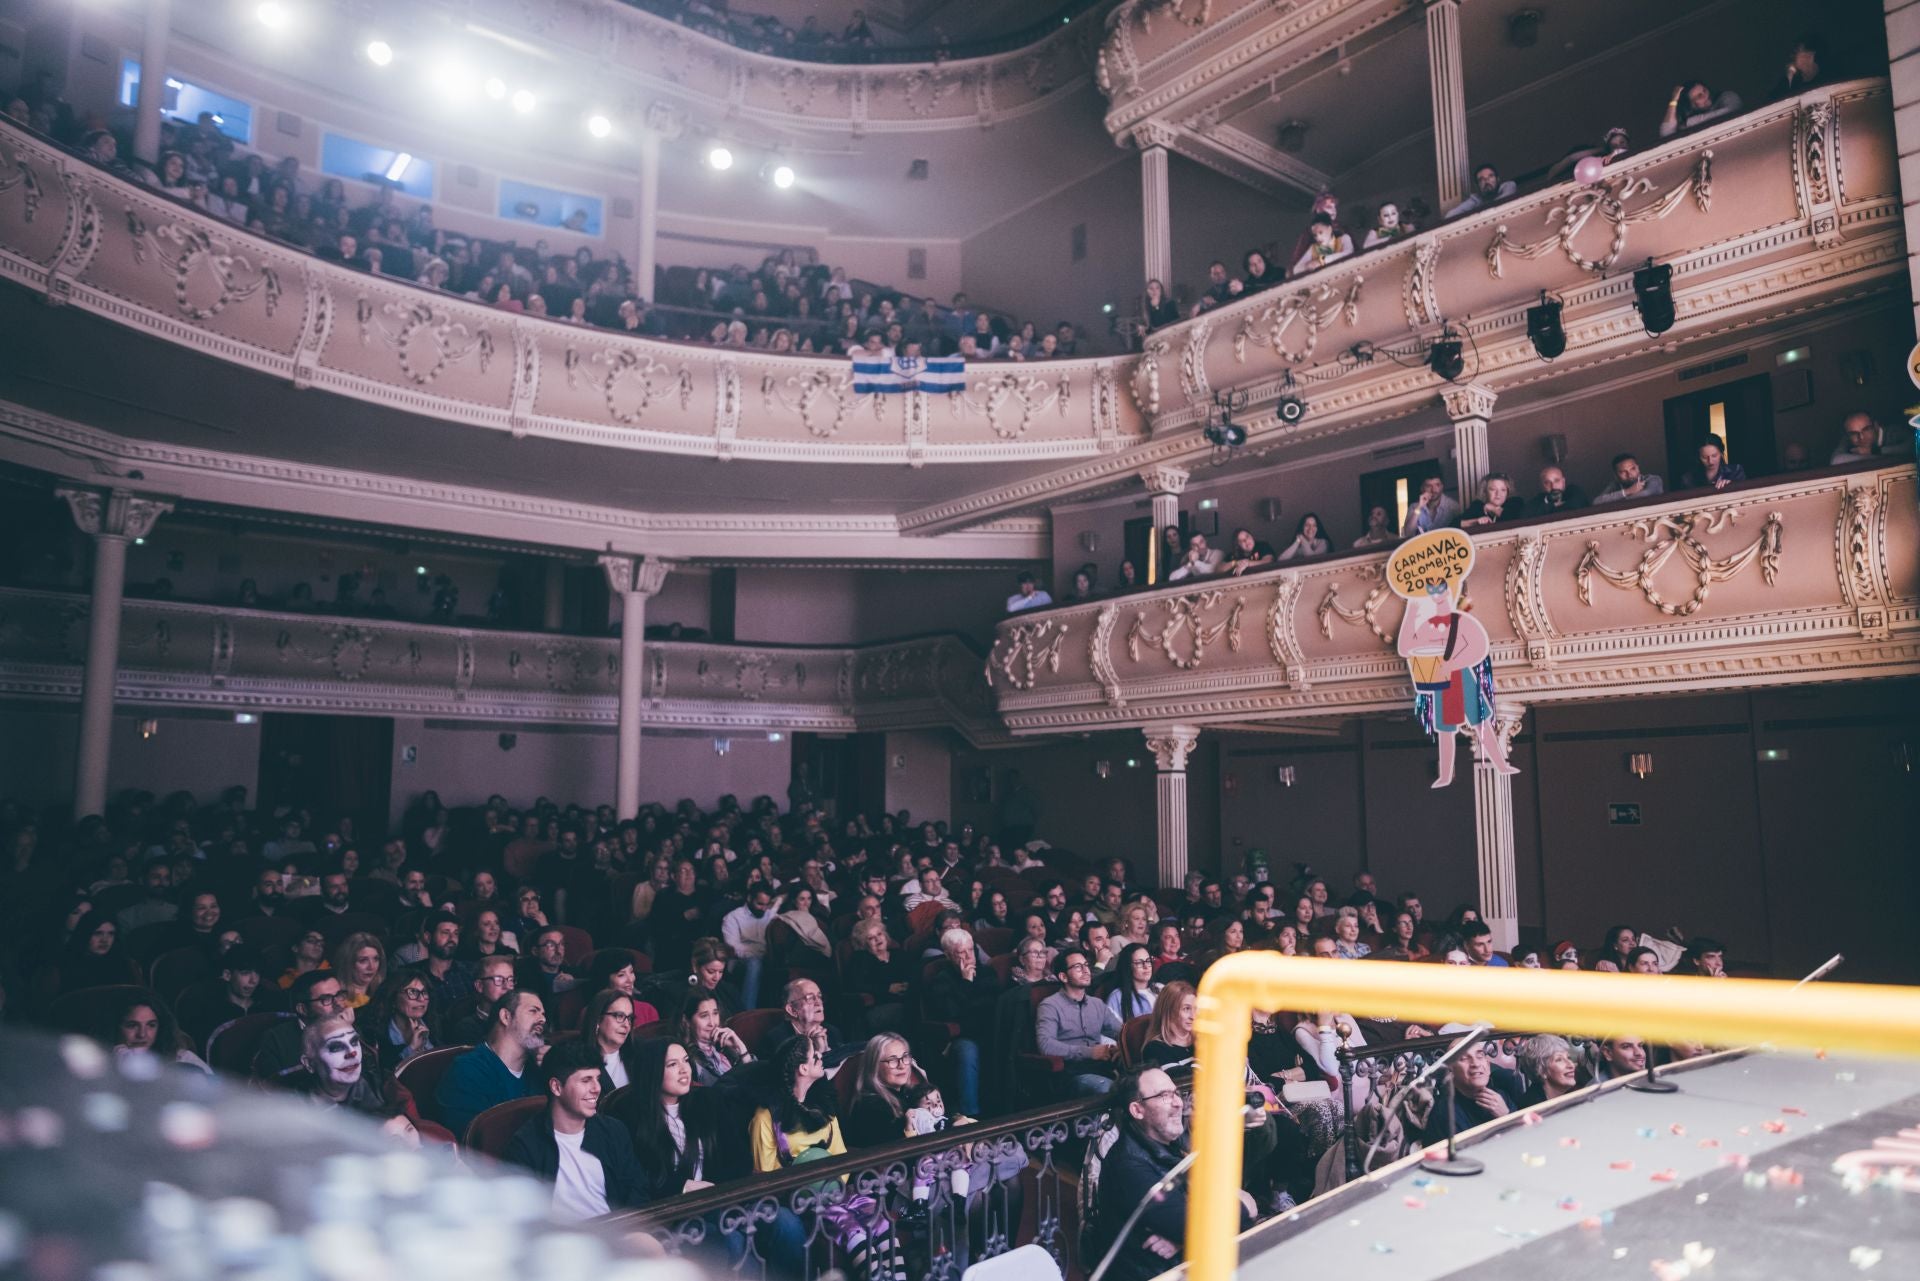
[
  {"x": 361, "y": 963},
  {"x": 794, "y": 1127}
]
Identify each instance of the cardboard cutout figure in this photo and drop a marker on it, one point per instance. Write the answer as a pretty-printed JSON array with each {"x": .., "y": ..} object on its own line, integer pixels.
[{"x": 1446, "y": 648}]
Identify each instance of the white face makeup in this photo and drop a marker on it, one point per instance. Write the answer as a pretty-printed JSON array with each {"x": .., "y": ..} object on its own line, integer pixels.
[{"x": 340, "y": 1060}]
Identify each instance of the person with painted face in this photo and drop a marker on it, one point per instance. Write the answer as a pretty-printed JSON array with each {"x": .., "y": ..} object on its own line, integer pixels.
[{"x": 337, "y": 1072}]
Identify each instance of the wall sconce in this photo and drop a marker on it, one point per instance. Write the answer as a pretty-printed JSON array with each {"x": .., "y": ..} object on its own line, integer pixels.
[
  {"x": 1640, "y": 764},
  {"x": 1554, "y": 447},
  {"x": 1089, "y": 541},
  {"x": 149, "y": 727},
  {"x": 1283, "y": 774},
  {"x": 721, "y": 746},
  {"x": 1103, "y": 769},
  {"x": 1269, "y": 509}
]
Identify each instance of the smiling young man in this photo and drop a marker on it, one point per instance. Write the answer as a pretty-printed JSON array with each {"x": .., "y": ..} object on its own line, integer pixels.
[{"x": 588, "y": 1157}]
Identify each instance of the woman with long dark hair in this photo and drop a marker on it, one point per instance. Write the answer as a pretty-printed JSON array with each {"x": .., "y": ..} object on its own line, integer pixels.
[
  {"x": 716, "y": 1050},
  {"x": 142, "y": 1023},
  {"x": 1136, "y": 990},
  {"x": 94, "y": 957}
]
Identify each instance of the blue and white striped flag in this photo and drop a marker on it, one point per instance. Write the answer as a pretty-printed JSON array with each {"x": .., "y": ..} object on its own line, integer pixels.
[{"x": 882, "y": 373}]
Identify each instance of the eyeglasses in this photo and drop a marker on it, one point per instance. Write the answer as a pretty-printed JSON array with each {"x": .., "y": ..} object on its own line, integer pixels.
[
  {"x": 896, "y": 1060},
  {"x": 498, "y": 980},
  {"x": 330, "y": 999},
  {"x": 1161, "y": 1094},
  {"x": 414, "y": 993},
  {"x": 619, "y": 1017}
]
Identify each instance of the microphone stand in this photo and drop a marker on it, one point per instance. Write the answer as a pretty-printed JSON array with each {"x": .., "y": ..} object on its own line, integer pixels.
[
  {"x": 1653, "y": 1083},
  {"x": 1453, "y": 1163}
]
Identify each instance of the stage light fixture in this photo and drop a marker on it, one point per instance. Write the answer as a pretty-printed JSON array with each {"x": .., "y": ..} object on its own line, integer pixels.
[
  {"x": 1444, "y": 357},
  {"x": 379, "y": 53},
  {"x": 451, "y": 79},
  {"x": 720, "y": 158},
  {"x": 495, "y": 88},
  {"x": 1289, "y": 409},
  {"x": 599, "y": 126},
  {"x": 783, "y": 176},
  {"x": 1653, "y": 297},
  {"x": 523, "y": 101},
  {"x": 272, "y": 15},
  {"x": 1543, "y": 328}
]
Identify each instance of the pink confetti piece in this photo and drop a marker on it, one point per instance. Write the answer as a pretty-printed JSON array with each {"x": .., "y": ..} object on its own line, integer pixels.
[
  {"x": 1738, "y": 1160},
  {"x": 1677, "y": 1130},
  {"x": 1532, "y": 1118},
  {"x": 1774, "y": 1127},
  {"x": 1669, "y": 1270},
  {"x": 1709, "y": 1143},
  {"x": 1744, "y": 1131},
  {"x": 1568, "y": 1203},
  {"x": 1784, "y": 1176},
  {"x": 1620, "y": 1165},
  {"x": 1591, "y": 1223},
  {"x": 1663, "y": 1176},
  {"x": 1413, "y": 1203},
  {"x": 1570, "y": 1142},
  {"x": 1793, "y": 1111}
]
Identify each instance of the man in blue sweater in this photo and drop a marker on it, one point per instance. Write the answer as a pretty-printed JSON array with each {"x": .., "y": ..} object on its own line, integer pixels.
[{"x": 498, "y": 1071}]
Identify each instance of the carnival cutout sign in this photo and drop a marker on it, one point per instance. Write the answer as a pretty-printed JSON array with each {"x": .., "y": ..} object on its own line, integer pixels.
[{"x": 1447, "y": 650}]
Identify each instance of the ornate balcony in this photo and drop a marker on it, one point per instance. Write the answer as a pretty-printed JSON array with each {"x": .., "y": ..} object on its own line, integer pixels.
[
  {"x": 185, "y": 655},
  {"x": 1789, "y": 582}
]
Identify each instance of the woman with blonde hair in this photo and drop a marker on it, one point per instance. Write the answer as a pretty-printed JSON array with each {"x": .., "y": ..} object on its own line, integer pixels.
[
  {"x": 361, "y": 964},
  {"x": 1170, "y": 1026}
]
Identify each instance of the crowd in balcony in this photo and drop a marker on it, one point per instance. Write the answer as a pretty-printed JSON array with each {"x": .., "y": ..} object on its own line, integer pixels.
[
  {"x": 789, "y": 304},
  {"x": 696, "y": 997},
  {"x": 1329, "y": 238},
  {"x": 852, "y": 41},
  {"x": 1183, "y": 556}
]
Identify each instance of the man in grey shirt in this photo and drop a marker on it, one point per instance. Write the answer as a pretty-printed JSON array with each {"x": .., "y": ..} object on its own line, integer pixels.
[
  {"x": 1629, "y": 482},
  {"x": 1073, "y": 1026}
]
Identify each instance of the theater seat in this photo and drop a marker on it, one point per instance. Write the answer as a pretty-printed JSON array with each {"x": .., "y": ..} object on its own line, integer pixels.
[
  {"x": 994, "y": 941},
  {"x": 231, "y": 1046},
  {"x": 273, "y": 935},
  {"x": 337, "y": 928},
  {"x": 86, "y": 1010},
  {"x": 579, "y": 943},
  {"x": 173, "y": 972},
  {"x": 752, "y": 1026},
  {"x": 421, "y": 1075},
  {"x": 491, "y": 1131},
  {"x": 1133, "y": 1039}
]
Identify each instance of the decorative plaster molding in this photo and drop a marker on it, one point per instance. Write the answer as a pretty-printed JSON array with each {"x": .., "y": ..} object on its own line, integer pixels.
[
  {"x": 1165, "y": 479},
  {"x": 1570, "y": 216},
  {"x": 114, "y": 514},
  {"x": 1468, "y": 400},
  {"x": 1185, "y": 630},
  {"x": 1171, "y": 745},
  {"x": 1684, "y": 531}
]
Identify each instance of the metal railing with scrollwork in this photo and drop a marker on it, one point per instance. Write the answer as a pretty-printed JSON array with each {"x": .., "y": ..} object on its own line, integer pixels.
[{"x": 972, "y": 1183}]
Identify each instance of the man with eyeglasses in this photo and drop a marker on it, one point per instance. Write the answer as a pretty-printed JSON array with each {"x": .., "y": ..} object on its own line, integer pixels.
[
  {"x": 466, "y": 1023},
  {"x": 314, "y": 995},
  {"x": 1152, "y": 1120},
  {"x": 1072, "y": 1026}
]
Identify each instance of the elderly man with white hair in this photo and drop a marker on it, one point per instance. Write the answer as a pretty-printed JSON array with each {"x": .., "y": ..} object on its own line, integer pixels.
[{"x": 962, "y": 993}]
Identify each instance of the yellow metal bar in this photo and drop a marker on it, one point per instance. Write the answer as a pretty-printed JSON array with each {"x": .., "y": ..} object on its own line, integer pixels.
[{"x": 1852, "y": 1017}]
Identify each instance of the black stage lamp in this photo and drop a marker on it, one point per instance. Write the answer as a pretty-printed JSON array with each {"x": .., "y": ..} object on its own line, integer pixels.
[
  {"x": 1444, "y": 356},
  {"x": 1543, "y": 328},
  {"x": 1653, "y": 297}
]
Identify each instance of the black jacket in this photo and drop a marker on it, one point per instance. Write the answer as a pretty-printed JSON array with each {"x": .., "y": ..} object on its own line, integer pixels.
[
  {"x": 534, "y": 1147},
  {"x": 949, "y": 998},
  {"x": 1134, "y": 1164}
]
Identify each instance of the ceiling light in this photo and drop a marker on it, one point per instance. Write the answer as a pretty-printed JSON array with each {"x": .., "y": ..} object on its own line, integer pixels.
[
  {"x": 272, "y": 15},
  {"x": 522, "y": 101},
  {"x": 451, "y": 79},
  {"x": 379, "y": 53},
  {"x": 495, "y": 88},
  {"x": 599, "y": 126},
  {"x": 398, "y": 169},
  {"x": 783, "y": 177},
  {"x": 720, "y": 158}
]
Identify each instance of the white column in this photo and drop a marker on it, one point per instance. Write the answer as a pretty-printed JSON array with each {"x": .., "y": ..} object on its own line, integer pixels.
[
  {"x": 647, "y": 214},
  {"x": 1493, "y": 832},
  {"x": 1469, "y": 406},
  {"x": 1170, "y": 745},
  {"x": 1156, "y": 220},
  {"x": 1445, "y": 80},
  {"x": 113, "y": 519},
  {"x": 1165, "y": 483},
  {"x": 633, "y": 580},
  {"x": 1903, "y": 44},
  {"x": 153, "y": 81}
]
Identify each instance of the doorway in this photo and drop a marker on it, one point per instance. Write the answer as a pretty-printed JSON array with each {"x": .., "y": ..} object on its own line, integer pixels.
[
  {"x": 330, "y": 765},
  {"x": 1739, "y": 413}
]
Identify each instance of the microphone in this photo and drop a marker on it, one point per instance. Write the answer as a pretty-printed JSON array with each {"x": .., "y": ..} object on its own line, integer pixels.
[{"x": 1831, "y": 964}]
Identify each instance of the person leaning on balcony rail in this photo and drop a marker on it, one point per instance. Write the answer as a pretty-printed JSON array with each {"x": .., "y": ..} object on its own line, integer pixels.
[
  {"x": 1379, "y": 528},
  {"x": 1030, "y": 595},
  {"x": 1435, "y": 510},
  {"x": 1308, "y": 539},
  {"x": 1693, "y": 106},
  {"x": 1630, "y": 482},
  {"x": 1327, "y": 244},
  {"x": 1488, "y": 191},
  {"x": 1861, "y": 437},
  {"x": 1157, "y": 310},
  {"x": 1714, "y": 471},
  {"x": 1556, "y": 494},
  {"x": 1248, "y": 554},
  {"x": 1499, "y": 504},
  {"x": 1198, "y": 561}
]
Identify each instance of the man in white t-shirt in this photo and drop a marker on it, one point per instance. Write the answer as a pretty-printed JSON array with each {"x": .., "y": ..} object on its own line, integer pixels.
[
  {"x": 744, "y": 929},
  {"x": 588, "y": 1157}
]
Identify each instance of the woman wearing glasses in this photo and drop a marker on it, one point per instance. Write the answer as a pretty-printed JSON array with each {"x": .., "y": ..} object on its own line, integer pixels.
[
  {"x": 398, "y": 1018},
  {"x": 608, "y": 1022}
]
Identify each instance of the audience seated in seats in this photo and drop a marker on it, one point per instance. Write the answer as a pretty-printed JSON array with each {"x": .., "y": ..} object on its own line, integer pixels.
[
  {"x": 1620, "y": 1056},
  {"x": 709, "y": 974},
  {"x": 793, "y": 1124},
  {"x": 1714, "y": 471},
  {"x": 1861, "y": 438},
  {"x": 1169, "y": 1036},
  {"x": 1550, "y": 1064},
  {"x": 744, "y": 931},
  {"x": 717, "y": 1050},
  {"x": 963, "y": 991},
  {"x": 1556, "y": 494},
  {"x": 1488, "y": 191},
  {"x": 140, "y": 1023},
  {"x": 1630, "y": 482},
  {"x": 465, "y": 1020},
  {"x": 399, "y": 1022},
  {"x": 1498, "y": 504},
  {"x": 235, "y": 991},
  {"x": 314, "y": 995},
  {"x": 1307, "y": 539},
  {"x": 1157, "y": 310},
  {"x": 1482, "y": 1091},
  {"x": 1387, "y": 227},
  {"x": 337, "y": 1071},
  {"x": 1028, "y": 595},
  {"x": 1075, "y": 1027},
  {"x": 588, "y": 1157},
  {"x": 502, "y": 1068},
  {"x": 806, "y": 1016},
  {"x": 360, "y": 962},
  {"x": 1435, "y": 510},
  {"x": 1379, "y": 530},
  {"x": 1328, "y": 245}
]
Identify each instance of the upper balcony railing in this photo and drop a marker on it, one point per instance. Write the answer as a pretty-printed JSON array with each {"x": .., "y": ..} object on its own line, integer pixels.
[
  {"x": 182, "y": 655},
  {"x": 1760, "y": 216},
  {"x": 1808, "y": 578},
  {"x": 782, "y": 40}
]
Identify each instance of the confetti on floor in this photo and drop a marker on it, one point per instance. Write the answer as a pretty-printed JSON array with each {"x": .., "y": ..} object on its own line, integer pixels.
[
  {"x": 1784, "y": 1176},
  {"x": 1647, "y": 1131},
  {"x": 1738, "y": 1160},
  {"x": 1620, "y": 1165},
  {"x": 1570, "y": 1142},
  {"x": 1774, "y": 1127},
  {"x": 1381, "y": 1247},
  {"x": 1413, "y": 1203},
  {"x": 1663, "y": 1176},
  {"x": 1510, "y": 1195},
  {"x": 1709, "y": 1143},
  {"x": 1793, "y": 1111},
  {"x": 1567, "y": 1203},
  {"x": 1864, "y": 1256},
  {"x": 1677, "y": 1130},
  {"x": 1528, "y": 1158}
]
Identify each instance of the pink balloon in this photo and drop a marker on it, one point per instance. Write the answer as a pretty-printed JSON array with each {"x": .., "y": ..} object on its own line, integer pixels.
[{"x": 1589, "y": 170}]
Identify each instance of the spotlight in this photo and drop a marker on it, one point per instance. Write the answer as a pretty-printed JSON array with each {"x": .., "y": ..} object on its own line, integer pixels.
[
  {"x": 272, "y": 15},
  {"x": 451, "y": 79},
  {"x": 379, "y": 53},
  {"x": 1543, "y": 328},
  {"x": 1289, "y": 410},
  {"x": 599, "y": 126},
  {"x": 720, "y": 158},
  {"x": 495, "y": 88},
  {"x": 1227, "y": 435},
  {"x": 1444, "y": 357},
  {"x": 523, "y": 101},
  {"x": 1653, "y": 297},
  {"x": 783, "y": 176}
]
